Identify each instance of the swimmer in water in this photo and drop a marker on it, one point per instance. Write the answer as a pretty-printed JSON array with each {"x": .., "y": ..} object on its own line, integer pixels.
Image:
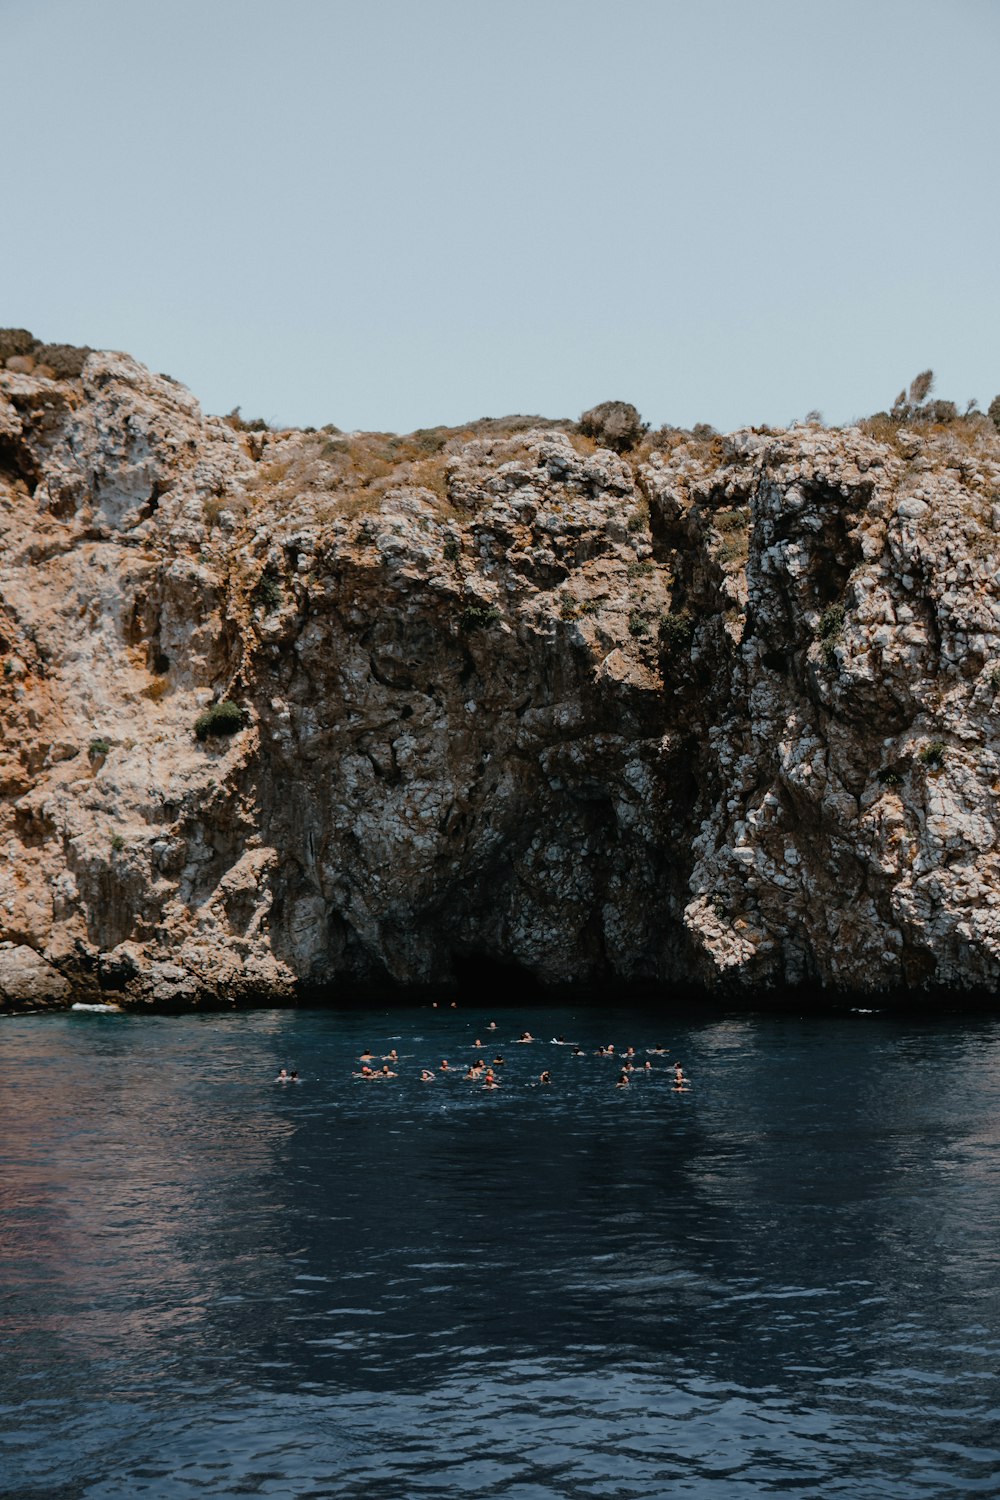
[
  {"x": 477, "y": 1044},
  {"x": 282, "y": 1076},
  {"x": 578, "y": 1052},
  {"x": 492, "y": 1026},
  {"x": 427, "y": 1076},
  {"x": 526, "y": 1037},
  {"x": 391, "y": 1056},
  {"x": 498, "y": 1061},
  {"x": 545, "y": 1077},
  {"x": 366, "y": 1072},
  {"x": 623, "y": 1081},
  {"x": 294, "y": 1077},
  {"x": 444, "y": 1065},
  {"x": 491, "y": 1081},
  {"x": 366, "y": 1056},
  {"x": 387, "y": 1072}
]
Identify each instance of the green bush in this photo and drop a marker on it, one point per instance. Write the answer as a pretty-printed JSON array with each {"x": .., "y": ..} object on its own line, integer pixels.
[
  {"x": 222, "y": 718},
  {"x": 117, "y": 842},
  {"x": 933, "y": 755},
  {"x": 98, "y": 747},
  {"x": 478, "y": 616},
  {"x": 675, "y": 631},
  {"x": 638, "y": 624},
  {"x": 831, "y": 622},
  {"x": 452, "y": 550},
  {"x": 268, "y": 593},
  {"x": 890, "y": 776}
]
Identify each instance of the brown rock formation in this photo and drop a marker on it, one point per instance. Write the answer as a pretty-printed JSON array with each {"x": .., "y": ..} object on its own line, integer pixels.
[{"x": 719, "y": 711}]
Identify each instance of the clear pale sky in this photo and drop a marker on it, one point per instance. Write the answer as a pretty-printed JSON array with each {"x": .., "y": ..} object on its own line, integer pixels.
[{"x": 395, "y": 213}]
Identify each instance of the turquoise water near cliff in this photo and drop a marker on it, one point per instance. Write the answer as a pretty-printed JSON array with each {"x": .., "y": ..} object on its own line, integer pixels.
[{"x": 783, "y": 1282}]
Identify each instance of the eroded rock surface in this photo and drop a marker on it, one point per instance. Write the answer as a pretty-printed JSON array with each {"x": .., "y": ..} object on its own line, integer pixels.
[{"x": 717, "y": 711}]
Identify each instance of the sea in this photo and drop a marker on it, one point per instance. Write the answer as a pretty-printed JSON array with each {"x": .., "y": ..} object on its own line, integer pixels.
[{"x": 782, "y": 1279}]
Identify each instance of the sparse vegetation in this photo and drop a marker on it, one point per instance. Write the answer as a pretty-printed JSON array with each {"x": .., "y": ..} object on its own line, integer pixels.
[
  {"x": 16, "y": 341},
  {"x": 117, "y": 842},
  {"x": 452, "y": 550},
  {"x": 240, "y": 424},
  {"x": 638, "y": 624},
  {"x": 641, "y": 568},
  {"x": 734, "y": 549},
  {"x": 63, "y": 361},
  {"x": 478, "y": 616},
  {"x": 995, "y": 679},
  {"x": 638, "y": 519},
  {"x": 891, "y": 776},
  {"x": 828, "y": 633},
  {"x": 993, "y": 412},
  {"x": 98, "y": 747},
  {"x": 267, "y": 594},
  {"x": 66, "y": 361},
  {"x": 831, "y": 622},
  {"x": 932, "y": 755},
  {"x": 613, "y": 424},
  {"x": 221, "y": 719},
  {"x": 675, "y": 631}
]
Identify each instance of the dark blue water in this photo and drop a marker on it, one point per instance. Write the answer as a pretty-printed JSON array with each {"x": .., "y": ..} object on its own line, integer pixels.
[{"x": 783, "y": 1282}]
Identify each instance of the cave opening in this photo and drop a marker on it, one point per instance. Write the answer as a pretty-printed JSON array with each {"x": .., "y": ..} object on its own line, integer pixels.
[{"x": 495, "y": 981}]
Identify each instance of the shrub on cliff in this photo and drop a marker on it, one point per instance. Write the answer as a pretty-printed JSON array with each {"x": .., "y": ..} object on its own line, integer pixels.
[
  {"x": 933, "y": 755},
  {"x": 993, "y": 412},
  {"x": 267, "y": 594},
  {"x": 222, "y": 718},
  {"x": 241, "y": 424},
  {"x": 613, "y": 424},
  {"x": 16, "y": 341},
  {"x": 675, "y": 631},
  {"x": 66, "y": 361},
  {"x": 478, "y": 616}
]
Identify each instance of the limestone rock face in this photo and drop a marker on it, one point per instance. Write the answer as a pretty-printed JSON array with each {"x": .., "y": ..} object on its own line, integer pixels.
[
  {"x": 28, "y": 982},
  {"x": 716, "y": 712}
]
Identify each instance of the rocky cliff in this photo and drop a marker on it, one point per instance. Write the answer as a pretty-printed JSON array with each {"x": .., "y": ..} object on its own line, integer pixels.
[{"x": 299, "y": 712}]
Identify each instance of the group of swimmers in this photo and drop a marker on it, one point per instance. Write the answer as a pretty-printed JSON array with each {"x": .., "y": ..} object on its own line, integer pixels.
[{"x": 485, "y": 1074}]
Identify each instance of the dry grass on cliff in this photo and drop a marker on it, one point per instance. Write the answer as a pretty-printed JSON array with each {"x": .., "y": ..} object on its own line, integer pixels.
[{"x": 349, "y": 474}]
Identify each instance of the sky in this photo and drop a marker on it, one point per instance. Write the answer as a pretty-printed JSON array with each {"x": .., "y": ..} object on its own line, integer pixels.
[{"x": 390, "y": 214}]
